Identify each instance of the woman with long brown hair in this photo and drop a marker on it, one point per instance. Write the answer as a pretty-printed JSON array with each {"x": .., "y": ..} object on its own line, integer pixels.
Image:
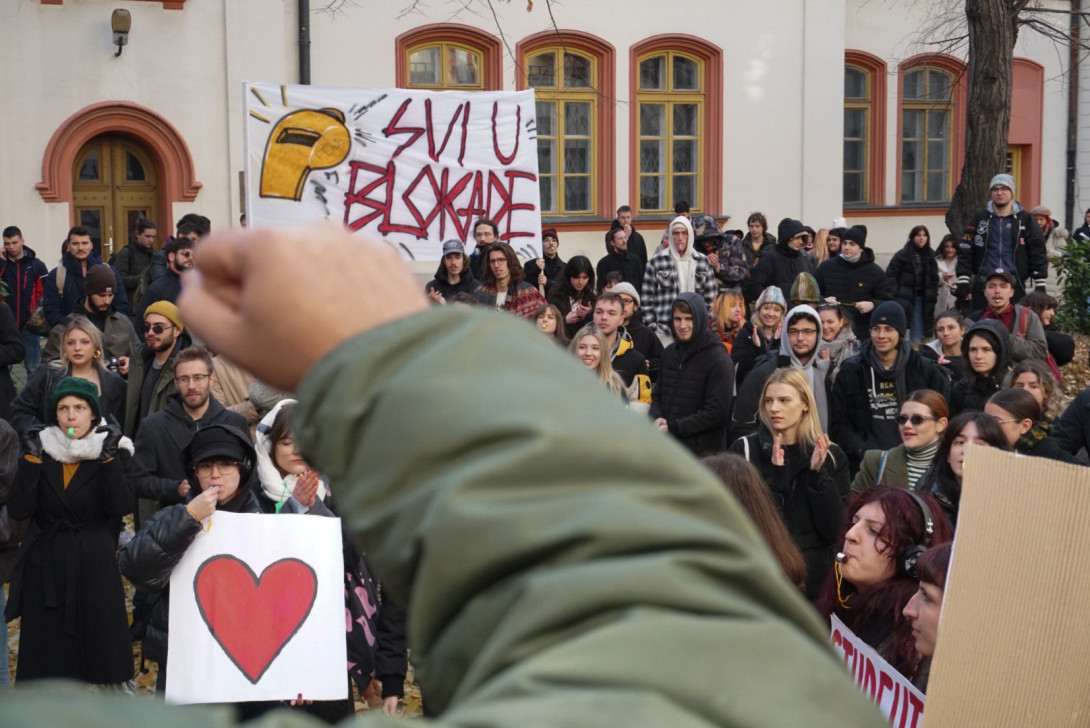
[{"x": 743, "y": 480}]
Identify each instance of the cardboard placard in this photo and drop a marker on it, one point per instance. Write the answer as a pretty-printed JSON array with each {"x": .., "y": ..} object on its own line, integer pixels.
[
  {"x": 894, "y": 694},
  {"x": 1013, "y": 648},
  {"x": 257, "y": 612},
  {"x": 411, "y": 167}
]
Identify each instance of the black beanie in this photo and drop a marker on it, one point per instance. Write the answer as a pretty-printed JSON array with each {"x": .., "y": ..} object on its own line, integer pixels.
[
  {"x": 857, "y": 234},
  {"x": 789, "y": 228},
  {"x": 891, "y": 314}
]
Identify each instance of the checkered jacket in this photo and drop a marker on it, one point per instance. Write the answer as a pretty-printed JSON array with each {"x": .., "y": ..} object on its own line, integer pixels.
[{"x": 660, "y": 288}]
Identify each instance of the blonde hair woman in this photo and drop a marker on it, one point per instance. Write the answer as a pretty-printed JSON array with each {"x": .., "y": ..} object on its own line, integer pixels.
[
  {"x": 81, "y": 357},
  {"x": 589, "y": 346},
  {"x": 806, "y": 474}
]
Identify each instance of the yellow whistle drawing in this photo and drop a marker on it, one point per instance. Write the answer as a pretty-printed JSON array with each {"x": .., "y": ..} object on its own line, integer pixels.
[{"x": 300, "y": 142}]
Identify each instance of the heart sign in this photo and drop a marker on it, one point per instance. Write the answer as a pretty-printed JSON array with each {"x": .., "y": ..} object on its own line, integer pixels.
[{"x": 251, "y": 617}]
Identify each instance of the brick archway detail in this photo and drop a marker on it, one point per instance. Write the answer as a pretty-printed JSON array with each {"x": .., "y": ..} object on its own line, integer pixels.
[{"x": 177, "y": 176}]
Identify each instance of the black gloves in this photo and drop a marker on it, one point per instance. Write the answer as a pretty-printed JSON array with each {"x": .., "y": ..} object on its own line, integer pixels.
[
  {"x": 31, "y": 441},
  {"x": 113, "y": 439}
]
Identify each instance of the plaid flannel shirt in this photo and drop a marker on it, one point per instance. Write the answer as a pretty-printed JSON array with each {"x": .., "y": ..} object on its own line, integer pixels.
[{"x": 660, "y": 288}]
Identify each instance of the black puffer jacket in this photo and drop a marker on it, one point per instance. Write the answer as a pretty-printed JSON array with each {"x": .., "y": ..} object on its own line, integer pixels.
[
  {"x": 778, "y": 266},
  {"x": 149, "y": 559},
  {"x": 910, "y": 271},
  {"x": 1072, "y": 431},
  {"x": 851, "y": 282},
  {"x": 696, "y": 385}
]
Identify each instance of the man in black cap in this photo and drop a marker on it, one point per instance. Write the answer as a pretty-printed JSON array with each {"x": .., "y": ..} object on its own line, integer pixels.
[
  {"x": 118, "y": 335},
  {"x": 453, "y": 275},
  {"x": 780, "y": 264},
  {"x": 868, "y": 390},
  {"x": 1027, "y": 334},
  {"x": 620, "y": 259},
  {"x": 854, "y": 279},
  {"x": 541, "y": 272}
]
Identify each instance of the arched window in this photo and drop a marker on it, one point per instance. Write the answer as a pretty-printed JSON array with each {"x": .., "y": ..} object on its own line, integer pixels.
[
  {"x": 931, "y": 108},
  {"x": 446, "y": 66},
  {"x": 864, "y": 129},
  {"x": 448, "y": 56},
  {"x": 572, "y": 77},
  {"x": 678, "y": 130}
]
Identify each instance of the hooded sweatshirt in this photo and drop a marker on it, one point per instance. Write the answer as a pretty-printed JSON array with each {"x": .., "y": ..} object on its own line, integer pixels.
[
  {"x": 686, "y": 266},
  {"x": 816, "y": 369},
  {"x": 695, "y": 385},
  {"x": 973, "y": 391}
]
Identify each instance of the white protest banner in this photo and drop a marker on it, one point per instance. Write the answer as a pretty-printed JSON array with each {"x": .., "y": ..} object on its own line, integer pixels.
[
  {"x": 411, "y": 167},
  {"x": 892, "y": 692},
  {"x": 257, "y": 612}
]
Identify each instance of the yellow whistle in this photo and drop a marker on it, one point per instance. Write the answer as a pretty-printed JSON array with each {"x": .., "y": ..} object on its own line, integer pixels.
[{"x": 302, "y": 141}]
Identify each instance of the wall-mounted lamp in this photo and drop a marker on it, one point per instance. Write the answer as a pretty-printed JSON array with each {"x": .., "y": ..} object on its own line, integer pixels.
[{"x": 120, "y": 21}]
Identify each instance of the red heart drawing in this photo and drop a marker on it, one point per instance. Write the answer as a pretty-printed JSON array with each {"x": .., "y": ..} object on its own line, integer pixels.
[{"x": 253, "y": 618}]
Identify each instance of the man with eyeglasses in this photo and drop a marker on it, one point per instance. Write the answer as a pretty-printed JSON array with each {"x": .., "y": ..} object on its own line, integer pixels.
[
  {"x": 168, "y": 287},
  {"x": 163, "y": 435},
  {"x": 485, "y": 232},
  {"x": 781, "y": 264},
  {"x": 801, "y": 348},
  {"x": 151, "y": 374}
]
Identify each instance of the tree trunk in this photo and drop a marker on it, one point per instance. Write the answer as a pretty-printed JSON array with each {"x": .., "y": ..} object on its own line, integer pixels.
[{"x": 993, "y": 29}]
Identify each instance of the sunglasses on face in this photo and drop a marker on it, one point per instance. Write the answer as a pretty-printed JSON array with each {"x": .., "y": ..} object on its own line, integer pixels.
[
  {"x": 157, "y": 328},
  {"x": 916, "y": 420}
]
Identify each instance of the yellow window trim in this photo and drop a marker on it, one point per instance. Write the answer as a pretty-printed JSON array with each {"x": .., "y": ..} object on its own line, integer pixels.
[{"x": 444, "y": 84}]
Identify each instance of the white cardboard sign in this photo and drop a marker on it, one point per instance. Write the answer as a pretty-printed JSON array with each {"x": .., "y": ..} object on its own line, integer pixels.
[
  {"x": 414, "y": 168},
  {"x": 257, "y": 612},
  {"x": 894, "y": 694}
]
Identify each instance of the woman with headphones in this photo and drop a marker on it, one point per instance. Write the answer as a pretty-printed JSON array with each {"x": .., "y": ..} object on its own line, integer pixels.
[{"x": 874, "y": 576}]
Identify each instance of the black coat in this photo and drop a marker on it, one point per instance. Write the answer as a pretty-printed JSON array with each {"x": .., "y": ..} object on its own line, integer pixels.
[
  {"x": 559, "y": 298},
  {"x": 850, "y": 423},
  {"x": 1030, "y": 252},
  {"x": 648, "y": 343},
  {"x": 811, "y": 502},
  {"x": 907, "y": 268},
  {"x": 164, "y": 288},
  {"x": 636, "y": 244},
  {"x": 466, "y": 284},
  {"x": 31, "y": 405},
  {"x": 627, "y": 264},
  {"x": 1072, "y": 430},
  {"x": 862, "y": 280},
  {"x": 66, "y": 585},
  {"x": 11, "y": 352},
  {"x": 778, "y": 265},
  {"x": 695, "y": 386},
  {"x": 161, "y": 442},
  {"x": 149, "y": 559},
  {"x": 554, "y": 268}
]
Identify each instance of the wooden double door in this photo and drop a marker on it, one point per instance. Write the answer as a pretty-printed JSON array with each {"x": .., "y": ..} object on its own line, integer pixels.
[{"x": 115, "y": 183}]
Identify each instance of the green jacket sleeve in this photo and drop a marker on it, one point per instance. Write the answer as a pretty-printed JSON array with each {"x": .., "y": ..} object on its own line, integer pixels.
[
  {"x": 545, "y": 576},
  {"x": 563, "y": 562}
]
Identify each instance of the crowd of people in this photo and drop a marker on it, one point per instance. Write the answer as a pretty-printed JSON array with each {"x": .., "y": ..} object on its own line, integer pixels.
[{"x": 834, "y": 399}]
